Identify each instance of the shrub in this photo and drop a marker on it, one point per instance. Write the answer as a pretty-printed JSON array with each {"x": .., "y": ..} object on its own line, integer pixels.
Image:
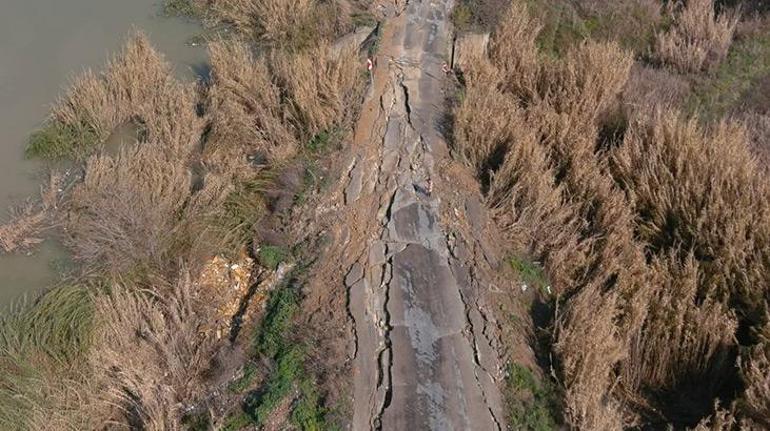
[
  {"x": 124, "y": 216},
  {"x": 699, "y": 39}
]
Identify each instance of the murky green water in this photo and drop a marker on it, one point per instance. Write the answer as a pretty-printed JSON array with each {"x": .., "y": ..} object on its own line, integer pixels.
[{"x": 43, "y": 45}]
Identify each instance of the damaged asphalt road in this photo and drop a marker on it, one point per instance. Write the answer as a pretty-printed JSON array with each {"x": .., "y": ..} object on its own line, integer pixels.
[{"x": 422, "y": 355}]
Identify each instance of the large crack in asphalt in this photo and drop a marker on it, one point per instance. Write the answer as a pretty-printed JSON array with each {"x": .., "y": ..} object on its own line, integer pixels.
[{"x": 421, "y": 359}]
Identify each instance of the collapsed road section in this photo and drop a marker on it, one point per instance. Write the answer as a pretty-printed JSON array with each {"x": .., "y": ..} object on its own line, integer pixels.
[{"x": 421, "y": 358}]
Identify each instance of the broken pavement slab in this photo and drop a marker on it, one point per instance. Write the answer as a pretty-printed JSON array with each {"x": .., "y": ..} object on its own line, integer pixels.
[{"x": 422, "y": 358}]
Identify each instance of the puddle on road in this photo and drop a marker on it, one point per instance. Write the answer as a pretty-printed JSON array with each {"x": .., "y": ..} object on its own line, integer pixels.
[{"x": 43, "y": 45}]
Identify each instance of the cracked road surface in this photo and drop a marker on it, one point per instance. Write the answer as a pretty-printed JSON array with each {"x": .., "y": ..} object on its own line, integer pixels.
[{"x": 422, "y": 353}]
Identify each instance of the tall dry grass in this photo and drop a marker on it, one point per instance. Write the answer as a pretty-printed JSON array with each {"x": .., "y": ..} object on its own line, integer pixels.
[
  {"x": 27, "y": 222},
  {"x": 137, "y": 87},
  {"x": 245, "y": 108},
  {"x": 150, "y": 354},
  {"x": 513, "y": 50},
  {"x": 124, "y": 215},
  {"x": 322, "y": 87},
  {"x": 700, "y": 190},
  {"x": 683, "y": 337},
  {"x": 755, "y": 369},
  {"x": 151, "y": 214},
  {"x": 267, "y": 107},
  {"x": 699, "y": 39},
  {"x": 284, "y": 24},
  {"x": 653, "y": 237}
]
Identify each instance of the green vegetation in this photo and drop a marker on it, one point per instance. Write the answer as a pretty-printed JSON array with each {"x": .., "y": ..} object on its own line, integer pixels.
[
  {"x": 241, "y": 210},
  {"x": 42, "y": 348},
  {"x": 531, "y": 273},
  {"x": 61, "y": 141},
  {"x": 532, "y": 405},
  {"x": 237, "y": 421},
  {"x": 270, "y": 256},
  {"x": 363, "y": 19},
  {"x": 477, "y": 15},
  {"x": 270, "y": 339},
  {"x": 184, "y": 8},
  {"x": 275, "y": 340},
  {"x": 562, "y": 29},
  {"x": 462, "y": 16},
  {"x": 248, "y": 375},
  {"x": 200, "y": 421},
  {"x": 59, "y": 324},
  {"x": 325, "y": 140},
  {"x": 717, "y": 94}
]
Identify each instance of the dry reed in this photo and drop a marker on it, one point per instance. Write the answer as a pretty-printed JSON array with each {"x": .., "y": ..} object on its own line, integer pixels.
[
  {"x": 655, "y": 239},
  {"x": 151, "y": 353},
  {"x": 138, "y": 87},
  {"x": 247, "y": 117},
  {"x": 124, "y": 214},
  {"x": 30, "y": 220},
  {"x": 699, "y": 39}
]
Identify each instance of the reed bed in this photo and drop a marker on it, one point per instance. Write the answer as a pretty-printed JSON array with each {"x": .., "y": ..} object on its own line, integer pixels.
[{"x": 653, "y": 233}]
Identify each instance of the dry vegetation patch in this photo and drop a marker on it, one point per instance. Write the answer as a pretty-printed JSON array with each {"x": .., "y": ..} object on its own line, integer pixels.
[
  {"x": 699, "y": 38},
  {"x": 137, "y": 87},
  {"x": 651, "y": 226},
  {"x": 143, "y": 346}
]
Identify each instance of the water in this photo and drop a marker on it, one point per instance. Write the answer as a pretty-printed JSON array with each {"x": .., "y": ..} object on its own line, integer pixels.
[{"x": 43, "y": 45}]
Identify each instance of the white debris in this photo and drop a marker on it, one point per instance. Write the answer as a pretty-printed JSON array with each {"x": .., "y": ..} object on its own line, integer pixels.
[{"x": 523, "y": 287}]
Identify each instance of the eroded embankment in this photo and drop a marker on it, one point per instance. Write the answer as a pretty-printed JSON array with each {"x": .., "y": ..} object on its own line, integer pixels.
[{"x": 422, "y": 355}]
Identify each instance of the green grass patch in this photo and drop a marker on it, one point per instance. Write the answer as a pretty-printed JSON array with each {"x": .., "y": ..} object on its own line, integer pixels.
[
  {"x": 747, "y": 62},
  {"x": 373, "y": 44},
  {"x": 241, "y": 210},
  {"x": 325, "y": 140},
  {"x": 276, "y": 340},
  {"x": 59, "y": 324},
  {"x": 562, "y": 29},
  {"x": 245, "y": 380},
  {"x": 237, "y": 421},
  {"x": 462, "y": 17},
  {"x": 288, "y": 370},
  {"x": 42, "y": 345},
  {"x": 270, "y": 338},
  {"x": 56, "y": 141},
  {"x": 270, "y": 256},
  {"x": 200, "y": 421},
  {"x": 530, "y": 273},
  {"x": 531, "y": 404}
]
